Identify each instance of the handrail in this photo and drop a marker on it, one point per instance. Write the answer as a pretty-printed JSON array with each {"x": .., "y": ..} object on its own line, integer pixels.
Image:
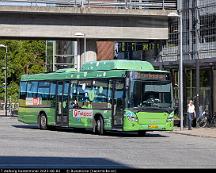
[{"x": 122, "y": 4}]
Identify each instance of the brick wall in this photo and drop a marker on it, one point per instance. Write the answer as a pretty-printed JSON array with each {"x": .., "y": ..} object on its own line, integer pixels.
[{"x": 105, "y": 50}]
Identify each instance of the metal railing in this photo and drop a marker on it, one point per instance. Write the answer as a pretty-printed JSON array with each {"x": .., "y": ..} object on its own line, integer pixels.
[{"x": 122, "y": 4}]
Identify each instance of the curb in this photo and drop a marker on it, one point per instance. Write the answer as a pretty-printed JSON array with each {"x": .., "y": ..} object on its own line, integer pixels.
[{"x": 201, "y": 136}]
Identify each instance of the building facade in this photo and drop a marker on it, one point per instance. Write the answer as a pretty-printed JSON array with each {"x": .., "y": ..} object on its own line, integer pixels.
[{"x": 199, "y": 52}]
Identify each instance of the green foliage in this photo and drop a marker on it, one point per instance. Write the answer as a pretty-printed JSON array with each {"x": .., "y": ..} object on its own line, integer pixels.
[{"x": 24, "y": 57}]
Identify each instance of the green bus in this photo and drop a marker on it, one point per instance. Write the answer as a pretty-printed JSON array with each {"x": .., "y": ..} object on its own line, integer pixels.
[{"x": 120, "y": 95}]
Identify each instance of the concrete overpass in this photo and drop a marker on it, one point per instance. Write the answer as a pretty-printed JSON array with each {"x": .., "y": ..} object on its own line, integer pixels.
[
  {"x": 96, "y": 23},
  {"x": 49, "y": 22}
]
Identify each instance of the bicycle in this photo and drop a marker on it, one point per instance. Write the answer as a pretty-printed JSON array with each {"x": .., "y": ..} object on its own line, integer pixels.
[
  {"x": 212, "y": 120},
  {"x": 203, "y": 120}
]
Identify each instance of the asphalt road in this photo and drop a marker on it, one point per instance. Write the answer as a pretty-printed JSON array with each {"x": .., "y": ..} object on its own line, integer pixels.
[{"x": 25, "y": 146}]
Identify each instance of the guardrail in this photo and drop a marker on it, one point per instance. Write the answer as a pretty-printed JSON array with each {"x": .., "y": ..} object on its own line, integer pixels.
[{"x": 122, "y": 4}]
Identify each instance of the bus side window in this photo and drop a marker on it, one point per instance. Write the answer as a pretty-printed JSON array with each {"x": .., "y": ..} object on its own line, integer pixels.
[
  {"x": 44, "y": 90},
  {"x": 99, "y": 94},
  {"x": 23, "y": 92},
  {"x": 32, "y": 89},
  {"x": 53, "y": 93},
  {"x": 83, "y": 89}
]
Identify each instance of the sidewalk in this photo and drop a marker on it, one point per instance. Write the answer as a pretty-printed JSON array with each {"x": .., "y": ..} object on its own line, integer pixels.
[
  {"x": 200, "y": 132},
  {"x": 2, "y": 114}
]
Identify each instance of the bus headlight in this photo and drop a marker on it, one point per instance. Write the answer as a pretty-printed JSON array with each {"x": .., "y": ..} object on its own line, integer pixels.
[
  {"x": 170, "y": 117},
  {"x": 131, "y": 116}
]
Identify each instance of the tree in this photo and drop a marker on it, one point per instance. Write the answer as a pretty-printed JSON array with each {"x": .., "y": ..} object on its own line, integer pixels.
[{"x": 24, "y": 57}]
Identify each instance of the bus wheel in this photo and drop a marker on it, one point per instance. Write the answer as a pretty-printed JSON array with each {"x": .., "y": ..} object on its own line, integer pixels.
[
  {"x": 99, "y": 129},
  {"x": 42, "y": 121},
  {"x": 141, "y": 133}
]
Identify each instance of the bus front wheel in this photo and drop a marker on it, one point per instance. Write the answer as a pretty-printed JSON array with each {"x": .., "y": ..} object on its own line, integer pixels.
[
  {"x": 141, "y": 133},
  {"x": 99, "y": 129},
  {"x": 42, "y": 121}
]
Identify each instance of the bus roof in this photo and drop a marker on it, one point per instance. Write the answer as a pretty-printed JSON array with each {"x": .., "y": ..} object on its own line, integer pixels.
[
  {"x": 96, "y": 69},
  {"x": 134, "y": 65}
]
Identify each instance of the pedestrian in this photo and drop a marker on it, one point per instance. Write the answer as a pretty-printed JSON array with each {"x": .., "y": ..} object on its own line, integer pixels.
[{"x": 191, "y": 114}]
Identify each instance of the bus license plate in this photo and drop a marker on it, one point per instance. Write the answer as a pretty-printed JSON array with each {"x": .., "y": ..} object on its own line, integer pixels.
[{"x": 153, "y": 126}]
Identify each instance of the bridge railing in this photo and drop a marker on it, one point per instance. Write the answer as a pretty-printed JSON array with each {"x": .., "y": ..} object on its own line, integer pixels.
[{"x": 122, "y": 4}]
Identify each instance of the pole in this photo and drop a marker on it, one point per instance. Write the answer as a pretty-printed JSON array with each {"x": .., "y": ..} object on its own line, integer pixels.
[
  {"x": 54, "y": 57},
  {"x": 6, "y": 82},
  {"x": 84, "y": 49},
  {"x": 181, "y": 73},
  {"x": 79, "y": 55},
  {"x": 10, "y": 104},
  {"x": 46, "y": 61},
  {"x": 197, "y": 62},
  {"x": 80, "y": 35}
]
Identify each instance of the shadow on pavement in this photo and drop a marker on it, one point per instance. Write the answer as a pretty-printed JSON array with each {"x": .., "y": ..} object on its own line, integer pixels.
[
  {"x": 133, "y": 134},
  {"x": 58, "y": 162},
  {"x": 26, "y": 126},
  {"x": 86, "y": 131}
]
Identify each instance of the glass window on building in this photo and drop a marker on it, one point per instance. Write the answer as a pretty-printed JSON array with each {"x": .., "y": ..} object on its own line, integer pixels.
[
  {"x": 146, "y": 51},
  {"x": 205, "y": 92}
]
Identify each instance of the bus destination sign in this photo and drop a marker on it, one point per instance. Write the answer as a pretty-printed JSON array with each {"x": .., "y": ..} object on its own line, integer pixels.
[{"x": 150, "y": 76}]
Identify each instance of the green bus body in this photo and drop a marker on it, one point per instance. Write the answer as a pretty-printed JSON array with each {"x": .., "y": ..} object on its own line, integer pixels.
[{"x": 124, "y": 95}]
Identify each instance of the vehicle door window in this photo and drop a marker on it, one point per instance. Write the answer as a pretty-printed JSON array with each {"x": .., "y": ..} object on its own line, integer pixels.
[{"x": 73, "y": 95}]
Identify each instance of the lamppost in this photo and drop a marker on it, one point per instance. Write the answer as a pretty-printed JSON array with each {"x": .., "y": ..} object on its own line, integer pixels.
[
  {"x": 2, "y": 45},
  {"x": 82, "y": 35},
  {"x": 180, "y": 67}
]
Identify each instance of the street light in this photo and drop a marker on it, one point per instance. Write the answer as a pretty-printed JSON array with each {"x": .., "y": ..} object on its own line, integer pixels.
[
  {"x": 180, "y": 68},
  {"x": 79, "y": 34},
  {"x": 2, "y": 45}
]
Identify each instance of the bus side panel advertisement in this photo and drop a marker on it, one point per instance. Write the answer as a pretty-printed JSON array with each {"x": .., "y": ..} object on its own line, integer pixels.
[
  {"x": 33, "y": 101},
  {"x": 78, "y": 113}
]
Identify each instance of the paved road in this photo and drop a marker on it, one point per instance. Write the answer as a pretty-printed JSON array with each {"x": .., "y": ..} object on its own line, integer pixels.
[{"x": 25, "y": 146}]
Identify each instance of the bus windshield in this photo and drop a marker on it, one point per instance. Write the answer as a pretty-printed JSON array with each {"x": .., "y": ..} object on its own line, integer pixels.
[{"x": 150, "y": 94}]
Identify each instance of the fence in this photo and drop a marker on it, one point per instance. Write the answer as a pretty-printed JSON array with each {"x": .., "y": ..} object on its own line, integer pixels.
[{"x": 122, "y": 4}]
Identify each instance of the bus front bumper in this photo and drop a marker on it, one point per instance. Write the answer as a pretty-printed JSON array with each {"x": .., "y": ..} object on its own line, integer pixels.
[{"x": 134, "y": 126}]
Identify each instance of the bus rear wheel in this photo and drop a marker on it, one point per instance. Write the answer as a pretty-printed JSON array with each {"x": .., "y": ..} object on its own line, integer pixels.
[
  {"x": 99, "y": 126},
  {"x": 42, "y": 121}
]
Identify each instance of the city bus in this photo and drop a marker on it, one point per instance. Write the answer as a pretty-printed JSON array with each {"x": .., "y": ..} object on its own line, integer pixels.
[{"x": 110, "y": 95}]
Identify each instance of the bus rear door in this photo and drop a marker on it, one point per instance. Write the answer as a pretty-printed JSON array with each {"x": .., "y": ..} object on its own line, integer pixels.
[{"x": 62, "y": 106}]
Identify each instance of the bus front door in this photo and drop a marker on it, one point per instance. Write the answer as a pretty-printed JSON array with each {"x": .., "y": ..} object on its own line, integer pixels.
[
  {"x": 62, "y": 111},
  {"x": 118, "y": 104}
]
